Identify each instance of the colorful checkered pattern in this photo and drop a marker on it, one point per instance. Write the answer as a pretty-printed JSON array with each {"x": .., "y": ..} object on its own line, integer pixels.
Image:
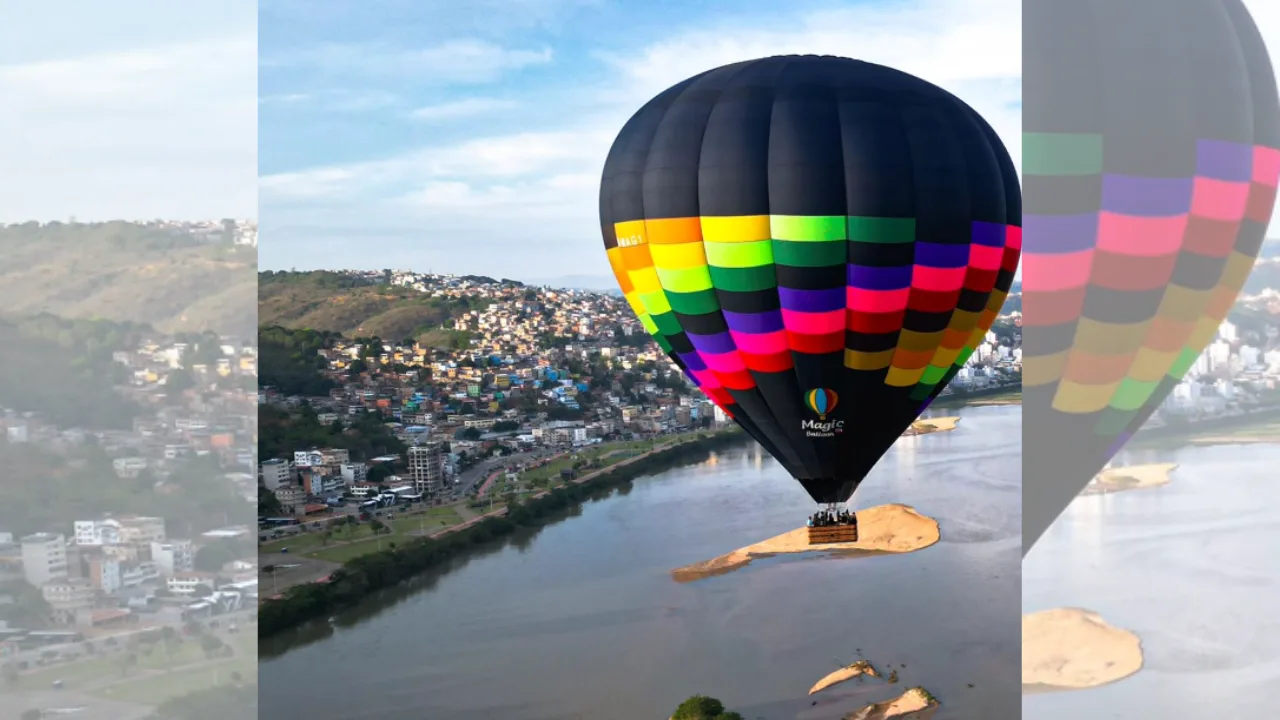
[
  {"x": 1171, "y": 253},
  {"x": 671, "y": 266}
]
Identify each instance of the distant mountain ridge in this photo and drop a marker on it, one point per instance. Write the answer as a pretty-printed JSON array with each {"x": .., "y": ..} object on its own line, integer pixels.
[{"x": 128, "y": 272}]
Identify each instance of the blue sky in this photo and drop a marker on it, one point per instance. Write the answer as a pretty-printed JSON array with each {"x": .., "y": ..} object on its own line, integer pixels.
[
  {"x": 134, "y": 109},
  {"x": 468, "y": 137}
]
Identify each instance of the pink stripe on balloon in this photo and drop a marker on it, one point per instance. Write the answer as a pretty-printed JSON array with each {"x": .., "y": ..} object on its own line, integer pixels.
[
  {"x": 1266, "y": 166},
  {"x": 813, "y": 323},
  {"x": 1013, "y": 237},
  {"x": 705, "y": 379},
  {"x": 729, "y": 362},
  {"x": 937, "y": 279},
  {"x": 1140, "y": 236},
  {"x": 1219, "y": 199},
  {"x": 985, "y": 257},
  {"x": 761, "y": 343},
  {"x": 876, "y": 302},
  {"x": 1050, "y": 273}
]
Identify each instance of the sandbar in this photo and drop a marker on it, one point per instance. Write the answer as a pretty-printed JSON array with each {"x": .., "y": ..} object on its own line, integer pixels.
[
  {"x": 1134, "y": 477},
  {"x": 932, "y": 425},
  {"x": 848, "y": 672},
  {"x": 1075, "y": 649},
  {"x": 882, "y": 530},
  {"x": 914, "y": 704}
]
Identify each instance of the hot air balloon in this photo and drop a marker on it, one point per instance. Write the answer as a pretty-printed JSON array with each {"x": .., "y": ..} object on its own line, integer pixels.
[
  {"x": 1151, "y": 136},
  {"x": 818, "y": 243}
]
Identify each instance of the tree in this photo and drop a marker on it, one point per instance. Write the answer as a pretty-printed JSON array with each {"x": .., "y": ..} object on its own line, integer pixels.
[
  {"x": 701, "y": 707},
  {"x": 202, "y": 591},
  {"x": 210, "y": 645},
  {"x": 32, "y": 714}
]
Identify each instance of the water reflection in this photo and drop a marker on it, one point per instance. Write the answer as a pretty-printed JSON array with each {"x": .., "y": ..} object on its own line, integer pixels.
[
  {"x": 1192, "y": 568},
  {"x": 586, "y": 622}
]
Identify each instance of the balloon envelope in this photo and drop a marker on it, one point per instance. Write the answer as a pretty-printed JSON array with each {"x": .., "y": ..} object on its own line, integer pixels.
[
  {"x": 1151, "y": 130},
  {"x": 818, "y": 243}
]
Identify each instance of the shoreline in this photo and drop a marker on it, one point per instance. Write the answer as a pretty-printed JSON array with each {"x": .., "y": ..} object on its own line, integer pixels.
[
  {"x": 883, "y": 530},
  {"x": 913, "y": 704},
  {"x": 1067, "y": 649}
]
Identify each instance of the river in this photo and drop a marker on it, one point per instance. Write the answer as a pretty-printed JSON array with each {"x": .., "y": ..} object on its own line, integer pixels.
[
  {"x": 582, "y": 619},
  {"x": 1193, "y": 568}
]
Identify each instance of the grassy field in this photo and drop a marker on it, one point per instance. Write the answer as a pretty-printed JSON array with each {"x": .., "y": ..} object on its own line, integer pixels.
[
  {"x": 347, "y": 542},
  {"x": 194, "y": 674}
]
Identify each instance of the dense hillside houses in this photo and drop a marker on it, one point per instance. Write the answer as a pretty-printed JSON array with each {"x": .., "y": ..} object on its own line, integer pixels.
[{"x": 532, "y": 368}]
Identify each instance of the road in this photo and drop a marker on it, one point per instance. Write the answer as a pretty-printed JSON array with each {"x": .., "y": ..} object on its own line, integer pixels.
[{"x": 476, "y": 474}]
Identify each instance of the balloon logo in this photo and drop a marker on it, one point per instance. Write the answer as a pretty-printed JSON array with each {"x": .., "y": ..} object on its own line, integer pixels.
[
  {"x": 808, "y": 222},
  {"x": 1151, "y": 165},
  {"x": 821, "y": 401}
]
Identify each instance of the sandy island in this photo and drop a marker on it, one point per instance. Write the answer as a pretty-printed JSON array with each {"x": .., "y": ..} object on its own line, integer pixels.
[
  {"x": 882, "y": 530},
  {"x": 1134, "y": 477},
  {"x": 932, "y": 425},
  {"x": 1075, "y": 649},
  {"x": 914, "y": 704},
  {"x": 848, "y": 672}
]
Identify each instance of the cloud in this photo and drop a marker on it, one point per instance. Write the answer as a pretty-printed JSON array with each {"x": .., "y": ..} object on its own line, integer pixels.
[
  {"x": 538, "y": 185},
  {"x": 167, "y": 131},
  {"x": 463, "y": 61},
  {"x": 459, "y": 109}
]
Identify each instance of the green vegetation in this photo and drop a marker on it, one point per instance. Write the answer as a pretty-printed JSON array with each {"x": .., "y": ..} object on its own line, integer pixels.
[
  {"x": 371, "y": 572},
  {"x": 331, "y": 302},
  {"x": 349, "y": 540},
  {"x": 366, "y": 436},
  {"x": 701, "y": 707},
  {"x": 54, "y": 489},
  {"x": 217, "y": 703},
  {"x": 287, "y": 361},
  {"x": 128, "y": 271},
  {"x": 64, "y": 370}
]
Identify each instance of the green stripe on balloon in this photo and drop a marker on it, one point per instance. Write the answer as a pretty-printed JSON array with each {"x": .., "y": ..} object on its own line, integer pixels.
[
  {"x": 806, "y": 228},
  {"x": 881, "y": 230},
  {"x": 809, "y": 254},
  {"x": 1183, "y": 364},
  {"x": 1113, "y": 421},
  {"x": 685, "y": 280},
  {"x": 751, "y": 279},
  {"x": 739, "y": 255},
  {"x": 1132, "y": 394},
  {"x": 668, "y": 324},
  {"x": 1061, "y": 154},
  {"x": 694, "y": 303}
]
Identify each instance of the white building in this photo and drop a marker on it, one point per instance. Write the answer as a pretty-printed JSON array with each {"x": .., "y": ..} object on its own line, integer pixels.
[
  {"x": 129, "y": 467},
  {"x": 96, "y": 533},
  {"x": 44, "y": 558},
  {"x": 425, "y": 468},
  {"x": 173, "y": 557},
  {"x": 276, "y": 472}
]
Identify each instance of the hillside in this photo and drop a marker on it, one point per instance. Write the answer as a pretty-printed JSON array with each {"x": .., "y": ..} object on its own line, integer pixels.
[
  {"x": 128, "y": 272},
  {"x": 352, "y": 306}
]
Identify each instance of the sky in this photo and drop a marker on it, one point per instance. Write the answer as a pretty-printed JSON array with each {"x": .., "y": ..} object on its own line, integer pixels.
[
  {"x": 469, "y": 137},
  {"x": 128, "y": 109}
]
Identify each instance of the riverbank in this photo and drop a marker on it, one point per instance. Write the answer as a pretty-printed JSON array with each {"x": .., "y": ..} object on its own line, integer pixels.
[
  {"x": 932, "y": 425},
  {"x": 369, "y": 573},
  {"x": 1134, "y": 477},
  {"x": 1075, "y": 649},
  {"x": 882, "y": 530},
  {"x": 844, "y": 674}
]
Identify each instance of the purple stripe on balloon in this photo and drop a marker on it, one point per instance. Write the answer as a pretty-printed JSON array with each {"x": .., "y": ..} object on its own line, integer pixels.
[
  {"x": 1145, "y": 196},
  {"x": 938, "y": 255},
  {"x": 989, "y": 234},
  {"x": 812, "y": 300},
  {"x": 1222, "y": 160},
  {"x": 1059, "y": 234},
  {"x": 692, "y": 361},
  {"x": 717, "y": 344},
  {"x": 754, "y": 323},
  {"x": 879, "y": 278}
]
